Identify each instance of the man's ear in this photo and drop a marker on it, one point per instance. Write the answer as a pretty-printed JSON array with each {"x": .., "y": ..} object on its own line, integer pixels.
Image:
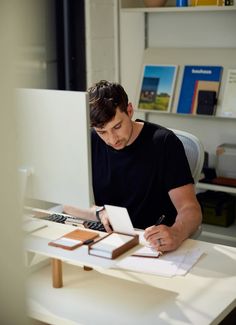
[{"x": 130, "y": 110}]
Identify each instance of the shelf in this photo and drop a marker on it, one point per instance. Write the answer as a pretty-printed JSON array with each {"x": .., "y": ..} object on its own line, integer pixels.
[
  {"x": 186, "y": 115},
  {"x": 218, "y": 234},
  {"x": 229, "y": 232},
  {"x": 212, "y": 187},
  {"x": 182, "y": 9}
]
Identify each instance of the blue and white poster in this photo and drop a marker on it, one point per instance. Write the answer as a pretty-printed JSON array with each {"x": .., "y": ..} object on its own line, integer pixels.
[{"x": 192, "y": 76}]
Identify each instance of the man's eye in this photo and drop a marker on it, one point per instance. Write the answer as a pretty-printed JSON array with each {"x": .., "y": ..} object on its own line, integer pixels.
[{"x": 117, "y": 126}]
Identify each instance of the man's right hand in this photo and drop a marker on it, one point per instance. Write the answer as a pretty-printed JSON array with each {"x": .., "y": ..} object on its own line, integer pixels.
[{"x": 105, "y": 221}]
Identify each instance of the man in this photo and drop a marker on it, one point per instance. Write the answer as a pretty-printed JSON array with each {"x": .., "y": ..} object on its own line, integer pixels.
[{"x": 140, "y": 166}]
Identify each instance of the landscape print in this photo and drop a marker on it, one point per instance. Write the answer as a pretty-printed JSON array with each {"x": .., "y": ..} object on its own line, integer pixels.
[{"x": 157, "y": 86}]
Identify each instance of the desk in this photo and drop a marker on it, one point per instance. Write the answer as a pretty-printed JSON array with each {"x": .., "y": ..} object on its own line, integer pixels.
[{"x": 111, "y": 296}]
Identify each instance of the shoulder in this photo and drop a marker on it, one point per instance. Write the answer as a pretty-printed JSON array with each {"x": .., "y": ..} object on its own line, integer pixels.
[{"x": 160, "y": 134}]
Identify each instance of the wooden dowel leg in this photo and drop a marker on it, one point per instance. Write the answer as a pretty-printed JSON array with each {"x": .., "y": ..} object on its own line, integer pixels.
[
  {"x": 57, "y": 273},
  {"x": 87, "y": 268}
]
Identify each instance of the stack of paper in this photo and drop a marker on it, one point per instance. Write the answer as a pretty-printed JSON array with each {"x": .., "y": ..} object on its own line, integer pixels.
[
  {"x": 113, "y": 245},
  {"x": 170, "y": 264}
]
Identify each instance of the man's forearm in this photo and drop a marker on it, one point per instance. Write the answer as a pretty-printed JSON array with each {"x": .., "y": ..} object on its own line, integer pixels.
[
  {"x": 188, "y": 221},
  {"x": 81, "y": 213}
]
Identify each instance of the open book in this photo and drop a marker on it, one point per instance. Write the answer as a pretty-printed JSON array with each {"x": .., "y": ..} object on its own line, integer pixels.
[{"x": 146, "y": 250}]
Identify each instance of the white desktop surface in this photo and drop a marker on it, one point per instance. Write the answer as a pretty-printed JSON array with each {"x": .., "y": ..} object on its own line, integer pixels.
[{"x": 110, "y": 296}]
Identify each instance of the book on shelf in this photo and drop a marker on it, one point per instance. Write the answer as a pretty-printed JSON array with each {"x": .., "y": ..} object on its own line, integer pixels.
[
  {"x": 207, "y": 2},
  {"x": 74, "y": 239},
  {"x": 199, "y": 89},
  {"x": 229, "y": 97},
  {"x": 113, "y": 245},
  {"x": 228, "y": 2},
  {"x": 205, "y": 97},
  {"x": 157, "y": 86}
]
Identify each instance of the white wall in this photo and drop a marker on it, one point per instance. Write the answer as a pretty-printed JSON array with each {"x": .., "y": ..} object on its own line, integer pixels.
[{"x": 101, "y": 40}]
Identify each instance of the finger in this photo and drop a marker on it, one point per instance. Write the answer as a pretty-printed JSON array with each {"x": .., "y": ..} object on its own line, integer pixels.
[
  {"x": 154, "y": 235},
  {"x": 107, "y": 227},
  {"x": 150, "y": 231},
  {"x": 155, "y": 242},
  {"x": 159, "y": 248},
  {"x": 106, "y": 224}
]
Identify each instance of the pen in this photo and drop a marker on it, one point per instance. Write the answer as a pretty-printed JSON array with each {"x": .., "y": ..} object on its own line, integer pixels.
[{"x": 159, "y": 221}]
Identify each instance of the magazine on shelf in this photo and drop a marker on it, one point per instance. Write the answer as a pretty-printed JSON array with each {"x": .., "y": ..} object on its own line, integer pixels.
[
  {"x": 207, "y": 2},
  {"x": 229, "y": 96},
  {"x": 202, "y": 87},
  {"x": 199, "y": 89},
  {"x": 157, "y": 87}
]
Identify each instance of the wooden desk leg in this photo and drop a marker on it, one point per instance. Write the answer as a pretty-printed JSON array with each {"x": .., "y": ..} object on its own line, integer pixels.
[
  {"x": 57, "y": 273},
  {"x": 87, "y": 268}
]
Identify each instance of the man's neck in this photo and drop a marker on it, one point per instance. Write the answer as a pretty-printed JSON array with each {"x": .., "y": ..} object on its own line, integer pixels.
[{"x": 136, "y": 129}]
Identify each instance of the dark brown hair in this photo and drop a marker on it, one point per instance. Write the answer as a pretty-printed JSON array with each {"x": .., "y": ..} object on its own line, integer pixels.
[{"x": 104, "y": 99}]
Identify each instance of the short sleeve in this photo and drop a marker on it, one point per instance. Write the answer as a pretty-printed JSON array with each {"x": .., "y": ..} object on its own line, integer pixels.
[{"x": 177, "y": 170}]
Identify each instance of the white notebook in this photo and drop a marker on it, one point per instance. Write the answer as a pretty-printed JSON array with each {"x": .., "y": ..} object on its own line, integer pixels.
[{"x": 106, "y": 246}]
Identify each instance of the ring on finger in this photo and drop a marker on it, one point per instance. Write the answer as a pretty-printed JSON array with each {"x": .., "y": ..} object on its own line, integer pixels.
[{"x": 159, "y": 241}]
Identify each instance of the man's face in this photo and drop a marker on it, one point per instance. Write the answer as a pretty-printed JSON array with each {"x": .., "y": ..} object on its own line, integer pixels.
[{"x": 118, "y": 131}]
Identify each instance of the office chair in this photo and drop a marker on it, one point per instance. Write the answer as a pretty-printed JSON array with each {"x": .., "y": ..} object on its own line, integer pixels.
[
  {"x": 194, "y": 151},
  {"x": 195, "y": 154}
]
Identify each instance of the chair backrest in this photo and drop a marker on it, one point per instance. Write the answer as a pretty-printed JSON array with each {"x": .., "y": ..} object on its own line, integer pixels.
[{"x": 194, "y": 151}]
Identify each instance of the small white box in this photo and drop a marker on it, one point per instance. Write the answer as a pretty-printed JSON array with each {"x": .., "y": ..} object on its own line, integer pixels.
[{"x": 226, "y": 160}]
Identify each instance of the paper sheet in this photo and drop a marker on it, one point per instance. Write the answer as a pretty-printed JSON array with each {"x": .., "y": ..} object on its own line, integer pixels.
[
  {"x": 120, "y": 219},
  {"x": 191, "y": 257},
  {"x": 170, "y": 264}
]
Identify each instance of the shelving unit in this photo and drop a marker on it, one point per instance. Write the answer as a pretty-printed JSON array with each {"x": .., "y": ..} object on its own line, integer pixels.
[
  {"x": 218, "y": 234},
  {"x": 198, "y": 31},
  {"x": 187, "y": 116},
  {"x": 212, "y": 187},
  {"x": 180, "y": 9}
]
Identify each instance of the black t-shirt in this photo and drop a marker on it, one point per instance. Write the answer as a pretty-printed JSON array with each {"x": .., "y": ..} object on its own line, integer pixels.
[{"x": 140, "y": 176}]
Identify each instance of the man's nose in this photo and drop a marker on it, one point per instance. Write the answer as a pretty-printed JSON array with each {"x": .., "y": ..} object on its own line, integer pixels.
[{"x": 112, "y": 138}]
